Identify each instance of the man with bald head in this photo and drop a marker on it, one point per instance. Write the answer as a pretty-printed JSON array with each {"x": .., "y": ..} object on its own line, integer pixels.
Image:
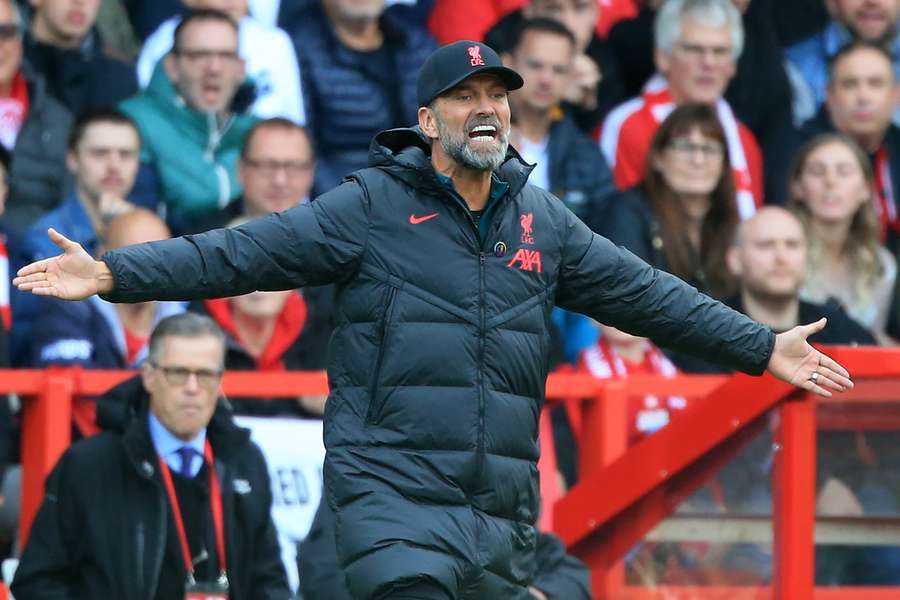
[
  {"x": 97, "y": 334},
  {"x": 768, "y": 259}
]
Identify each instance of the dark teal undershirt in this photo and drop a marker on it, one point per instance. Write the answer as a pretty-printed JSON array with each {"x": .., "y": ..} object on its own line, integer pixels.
[{"x": 482, "y": 217}]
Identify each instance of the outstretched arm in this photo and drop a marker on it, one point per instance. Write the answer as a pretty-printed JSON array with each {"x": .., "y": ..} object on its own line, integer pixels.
[
  {"x": 795, "y": 361},
  {"x": 73, "y": 275},
  {"x": 312, "y": 244},
  {"x": 615, "y": 287}
]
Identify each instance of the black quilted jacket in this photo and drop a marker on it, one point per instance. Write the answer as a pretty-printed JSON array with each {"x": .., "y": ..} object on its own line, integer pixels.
[{"x": 439, "y": 354}]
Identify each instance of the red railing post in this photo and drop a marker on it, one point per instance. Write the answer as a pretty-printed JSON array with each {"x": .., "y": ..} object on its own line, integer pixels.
[
  {"x": 794, "y": 499},
  {"x": 604, "y": 438},
  {"x": 46, "y": 433}
]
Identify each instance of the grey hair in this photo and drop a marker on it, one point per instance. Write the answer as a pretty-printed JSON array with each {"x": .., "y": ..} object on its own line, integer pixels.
[
  {"x": 711, "y": 13},
  {"x": 186, "y": 324}
]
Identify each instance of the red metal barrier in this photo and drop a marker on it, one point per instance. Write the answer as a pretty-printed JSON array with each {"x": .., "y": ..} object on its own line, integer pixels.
[
  {"x": 599, "y": 521},
  {"x": 614, "y": 507}
]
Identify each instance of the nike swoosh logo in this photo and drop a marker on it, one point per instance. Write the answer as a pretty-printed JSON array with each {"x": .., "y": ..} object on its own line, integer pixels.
[{"x": 413, "y": 219}]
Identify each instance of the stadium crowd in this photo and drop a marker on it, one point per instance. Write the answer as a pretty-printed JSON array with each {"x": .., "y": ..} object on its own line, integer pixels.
[{"x": 749, "y": 147}]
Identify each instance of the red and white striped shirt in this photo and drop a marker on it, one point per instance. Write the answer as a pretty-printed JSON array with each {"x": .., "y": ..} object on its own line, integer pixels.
[{"x": 629, "y": 128}]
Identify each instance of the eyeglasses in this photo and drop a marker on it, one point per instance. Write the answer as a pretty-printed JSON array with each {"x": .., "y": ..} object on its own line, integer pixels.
[
  {"x": 180, "y": 375},
  {"x": 268, "y": 168},
  {"x": 687, "y": 149},
  {"x": 9, "y": 31},
  {"x": 206, "y": 56}
]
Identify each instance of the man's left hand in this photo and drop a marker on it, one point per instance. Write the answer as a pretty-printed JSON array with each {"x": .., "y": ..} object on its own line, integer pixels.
[{"x": 795, "y": 361}]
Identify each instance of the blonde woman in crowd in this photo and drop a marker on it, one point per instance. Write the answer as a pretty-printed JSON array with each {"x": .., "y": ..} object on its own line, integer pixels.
[{"x": 832, "y": 187}]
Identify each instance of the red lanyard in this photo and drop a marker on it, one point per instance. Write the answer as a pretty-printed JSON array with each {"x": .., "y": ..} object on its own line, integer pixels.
[
  {"x": 887, "y": 208},
  {"x": 215, "y": 501}
]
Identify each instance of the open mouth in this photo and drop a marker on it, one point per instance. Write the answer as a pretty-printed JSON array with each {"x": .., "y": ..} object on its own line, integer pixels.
[
  {"x": 211, "y": 88},
  {"x": 483, "y": 133}
]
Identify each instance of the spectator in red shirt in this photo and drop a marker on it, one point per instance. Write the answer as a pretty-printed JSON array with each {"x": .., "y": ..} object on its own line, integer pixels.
[
  {"x": 619, "y": 355},
  {"x": 698, "y": 43},
  {"x": 453, "y": 20},
  {"x": 284, "y": 330}
]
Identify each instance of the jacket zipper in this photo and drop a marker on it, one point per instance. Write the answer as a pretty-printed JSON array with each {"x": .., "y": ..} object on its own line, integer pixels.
[
  {"x": 482, "y": 327},
  {"x": 373, "y": 414},
  {"x": 160, "y": 542},
  {"x": 214, "y": 138},
  {"x": 139, "y": 536},
  {"x": 481, "y": 344}
]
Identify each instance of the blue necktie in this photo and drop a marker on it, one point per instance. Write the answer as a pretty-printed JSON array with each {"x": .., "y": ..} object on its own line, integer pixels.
[{"x": 187, "y": 455}]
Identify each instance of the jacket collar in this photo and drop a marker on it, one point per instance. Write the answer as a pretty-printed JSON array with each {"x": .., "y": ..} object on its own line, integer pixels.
[
  {"x": 163, "y": 91},
  {"x": 91, "y": 47},
  {"x": 405, "y": 153},
  {"x": 835, "y": 36}
]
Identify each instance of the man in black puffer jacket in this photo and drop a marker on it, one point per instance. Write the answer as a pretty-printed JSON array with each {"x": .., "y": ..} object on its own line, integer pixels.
[{"x": 448, "y": 264}]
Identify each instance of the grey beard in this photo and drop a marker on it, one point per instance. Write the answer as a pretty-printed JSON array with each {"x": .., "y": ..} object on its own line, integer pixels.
[{"x": 457, "y": 148}]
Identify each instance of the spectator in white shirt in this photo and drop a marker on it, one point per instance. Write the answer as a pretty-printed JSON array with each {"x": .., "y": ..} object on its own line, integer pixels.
[{"x": 267, "y": 52}]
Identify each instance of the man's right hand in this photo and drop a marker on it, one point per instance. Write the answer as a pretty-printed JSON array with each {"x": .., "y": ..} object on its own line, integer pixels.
[{"x": 73, "y": 275}]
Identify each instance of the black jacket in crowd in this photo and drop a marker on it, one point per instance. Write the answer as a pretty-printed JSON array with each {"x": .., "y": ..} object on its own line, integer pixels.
[
  {"x": 502, "y": 36},
  {"x": 83, "y": 78},
  {"x": 629, "y": 222},
  {"x": 105, "y": 524},
  {"x": 438, "y": 360},
  {"x": 350, "y": 96},
  {"x": 307, "y": 352},
  {"x": 578, "y": 173},
  {"x": 559, "y": 575},
  {"x": 38, "y": 177}
]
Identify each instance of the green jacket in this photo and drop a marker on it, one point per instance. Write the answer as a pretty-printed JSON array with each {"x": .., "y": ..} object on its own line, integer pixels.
[{"x": 195, "y": 159}]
